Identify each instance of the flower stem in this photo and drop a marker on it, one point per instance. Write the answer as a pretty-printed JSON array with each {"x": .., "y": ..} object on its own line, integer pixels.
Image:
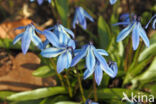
[
  {"x": 80, "y": 84},
  {"x": 79, "y": 80},
  {"x": 128, "y": 56},
  {"x": 68, "y": 84},
  {"x": 94, "y": 87},
  {"x": 58, "y": 75}
]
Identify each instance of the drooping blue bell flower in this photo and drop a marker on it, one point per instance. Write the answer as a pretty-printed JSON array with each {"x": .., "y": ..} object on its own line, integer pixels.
[
  {"x": 153, "y": 24},
  {"x": 62, "y": 50},
  {"x": 27, "y": 36},
  {"x": 112, "y": 1},
  {"x": 40, "y": 2},
  {"x": 137, "y": 31},
  {"x": 80, "y": 18},
  {"x": 63, "y": 34},
  {"x": 95, "y": 63}
]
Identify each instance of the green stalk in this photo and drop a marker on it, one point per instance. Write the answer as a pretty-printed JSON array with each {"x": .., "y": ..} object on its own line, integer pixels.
[
  {"x": 95, "y": 92},
  {"x": 79, "y": 80},
  {"x": 80, "y": 85},
  {"x": 68, "y": 84}
]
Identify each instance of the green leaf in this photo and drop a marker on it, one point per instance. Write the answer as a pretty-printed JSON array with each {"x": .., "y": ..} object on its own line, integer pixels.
[
  {"x": 104, "y": 33},
  {"x": 147, "y": 76},
  {"x": 135, "y": 70},
  {"x": 26, "y": 102},
  {"x": 4, "y": 94},
  {"x": 44, "y": 71},
  {"x": 37, "y": 93},
  {"x": 66, "y": 102},
  {"x": 115, "y": 94},
  {"x": 151, "y": 51},
  {"x": 62, "y": 8},
  {"x": 151, "y": 88},
  {"x": 58, "y": 98}
]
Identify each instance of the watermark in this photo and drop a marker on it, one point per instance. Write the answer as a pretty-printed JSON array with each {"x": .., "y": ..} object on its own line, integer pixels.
[{"x": 138, "y": 98}]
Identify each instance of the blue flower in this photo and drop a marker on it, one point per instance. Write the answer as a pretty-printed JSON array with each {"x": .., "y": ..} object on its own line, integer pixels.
[
  {"x": 62, "y": 50},
  {"x": 80, "y": 17},
  {"x": 137, "y": 31},
  {"x": 95, "y": 63},
  {"x": 90, "y": 102},
  {"x": 63, "y": 34},
  {"x": 40, "y": 2},
  {"x": 153, "y": 24},
  {"x": 112, "y": 1},
  {"x": 27, "y": 36}
]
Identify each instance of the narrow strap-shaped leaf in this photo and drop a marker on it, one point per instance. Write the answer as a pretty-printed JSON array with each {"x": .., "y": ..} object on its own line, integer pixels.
[{"x": 37, "y": 94}]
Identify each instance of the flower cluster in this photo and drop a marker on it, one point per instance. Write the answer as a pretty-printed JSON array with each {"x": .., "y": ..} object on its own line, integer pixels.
[
  {"x": 95, "y": 63},
  {"x": 63, "y": 46}
]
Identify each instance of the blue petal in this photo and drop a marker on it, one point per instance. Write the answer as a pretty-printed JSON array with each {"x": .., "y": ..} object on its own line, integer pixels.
[
  {"x": 39, "y": 2},
  {"x": 71, "y": 43},
  {"x": 135, "y": 37},
  {"x": 70, "y": 32},
  {"x": 143, "y": 35},
  {"x": 45, "y": 43},
  {"x": 51, "y": 52},
  {"x": 81, "y": 18},
  {"x": 51, "y": 37},
  {"x": 154, "y": 24},
  {"x": 98, "y": 74},
  {"x": 90, "y": 59},
  {"x": 108, "y": 70},
  {"x": 21, "y": 27},
  {"x": 102, "y": 52},
  {"x": 88, "y": 16},
  {"x": 103, "y": 64},
  {"x": 150, "y": 21},
  {"x": 77, "y": 51},
  {"x": 87, "y": 74},
  {"x": 37, "y": 30},
  {"x": 63, "y": 39},
  {"x": 114, "y": 67},
  {"x": 69, "y": 59},
  {"x": 124, "y": 16},
  {"x": 37, "y": 41},
  {"x": 17, "y": 38},
  {"x": 78, "y": 57},
  {"x": 51, "y": 28},
  {"x": 31, "y": 0},
  {"x": 121, "y": 23},
  {"x": 64, "y": 61},
  {"x": 112, "y": 1},
  {"x": 26, "y": 39},
  {"x": 124, "y": 33},
  {"x": 49, "y": 1}
]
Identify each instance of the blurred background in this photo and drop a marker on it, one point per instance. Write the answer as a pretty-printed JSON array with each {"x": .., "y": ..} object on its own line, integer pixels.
[{"x": 16, "y": 69}]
